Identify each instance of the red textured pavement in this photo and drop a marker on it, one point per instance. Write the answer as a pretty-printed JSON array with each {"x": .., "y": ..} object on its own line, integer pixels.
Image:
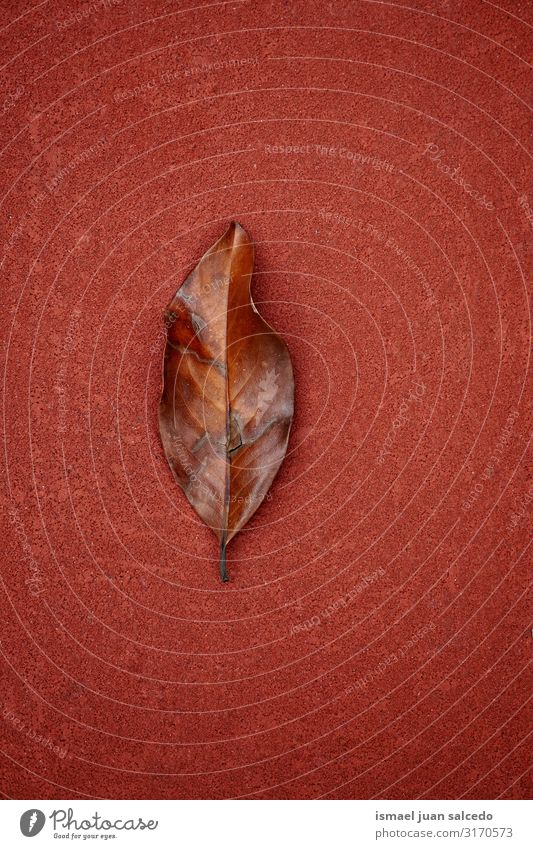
[{"x": 374, "y": 638}]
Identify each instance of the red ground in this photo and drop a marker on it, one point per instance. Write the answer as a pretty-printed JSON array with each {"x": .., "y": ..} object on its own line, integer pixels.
[{"x": 397, "y": 273}]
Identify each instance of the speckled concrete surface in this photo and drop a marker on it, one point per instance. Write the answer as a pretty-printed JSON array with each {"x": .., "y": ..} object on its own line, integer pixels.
[{"x": 374, "y": 639}]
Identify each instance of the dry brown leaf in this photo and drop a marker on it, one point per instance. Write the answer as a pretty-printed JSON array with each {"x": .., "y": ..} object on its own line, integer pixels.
[{"x": 228, "y": 391}]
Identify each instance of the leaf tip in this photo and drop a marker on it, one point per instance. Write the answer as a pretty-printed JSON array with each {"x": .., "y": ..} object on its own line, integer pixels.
[{"x": 238, "y": 231}]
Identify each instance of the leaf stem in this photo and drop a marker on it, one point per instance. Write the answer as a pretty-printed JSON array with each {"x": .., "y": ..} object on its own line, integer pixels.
[{"x": 223, "y": 574}]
